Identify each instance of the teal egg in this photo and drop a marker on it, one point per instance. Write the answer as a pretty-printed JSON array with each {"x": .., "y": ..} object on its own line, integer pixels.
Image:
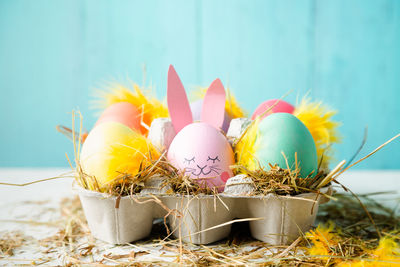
[{"x": 283, "y": 132}]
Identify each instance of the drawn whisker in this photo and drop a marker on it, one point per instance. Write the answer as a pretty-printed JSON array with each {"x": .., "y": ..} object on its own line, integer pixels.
[
  {"x": 217, "y": 172},
  {"x": 215, "y": 168}
]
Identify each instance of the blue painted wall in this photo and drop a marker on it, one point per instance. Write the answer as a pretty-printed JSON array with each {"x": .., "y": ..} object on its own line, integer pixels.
[{"x": 53, "y": 53}]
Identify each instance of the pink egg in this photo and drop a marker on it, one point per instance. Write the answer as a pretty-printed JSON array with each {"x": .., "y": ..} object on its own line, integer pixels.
[
  {"x": 122, "y": 112},
  {"x": 204, "y": 154},
  {"x": 281, "y": 107}
]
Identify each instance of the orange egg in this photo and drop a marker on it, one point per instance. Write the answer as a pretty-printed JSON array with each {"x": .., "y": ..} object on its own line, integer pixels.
[{"x": 122, "y": 112}]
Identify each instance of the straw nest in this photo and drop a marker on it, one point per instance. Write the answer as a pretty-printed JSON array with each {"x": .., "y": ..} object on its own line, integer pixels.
[{"x": 273, "y": 180}]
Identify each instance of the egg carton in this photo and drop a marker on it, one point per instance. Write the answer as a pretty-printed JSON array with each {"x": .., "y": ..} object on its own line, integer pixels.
[{"x": 202, "y": 219}]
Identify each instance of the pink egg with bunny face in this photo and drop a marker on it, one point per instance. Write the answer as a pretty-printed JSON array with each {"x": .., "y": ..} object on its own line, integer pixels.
[
  {"x": 199, "y": 149},
  {"x": 203, "y": 153}
]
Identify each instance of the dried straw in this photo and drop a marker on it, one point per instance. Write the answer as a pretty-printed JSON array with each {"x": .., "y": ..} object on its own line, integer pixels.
[
  {"x": 9, "y": 241},
  {"x": 354, "y": 238}
]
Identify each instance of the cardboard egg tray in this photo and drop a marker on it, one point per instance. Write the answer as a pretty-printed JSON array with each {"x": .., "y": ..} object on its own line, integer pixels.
[{"x": 204, "y": 219}]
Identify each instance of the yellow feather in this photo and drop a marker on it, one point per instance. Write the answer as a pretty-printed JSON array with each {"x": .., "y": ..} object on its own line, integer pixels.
[
  {"x": 386, "y": 254},
  {"x": 322, "y": 239},
  {"x": 246, "y": 147},
  {"x": 232, "y": 107},
  {"x": 319, "y": 121},
  {"x": 149, "y": 106},
  {"x": 112, "y": 150},
  {"x": 325, "y": 241},
  {"x": 128, "y": 157}
]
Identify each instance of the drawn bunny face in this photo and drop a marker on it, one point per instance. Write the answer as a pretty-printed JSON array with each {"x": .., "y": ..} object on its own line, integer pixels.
[
  {"x": 202, "y": 152},
  {"x": 199, "y": 149}
]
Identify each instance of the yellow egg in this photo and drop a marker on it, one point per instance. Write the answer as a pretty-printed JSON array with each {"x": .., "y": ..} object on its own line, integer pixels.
[{"x": 112, "y": 150}]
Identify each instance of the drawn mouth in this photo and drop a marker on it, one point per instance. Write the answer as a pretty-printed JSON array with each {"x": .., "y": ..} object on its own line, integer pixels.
[{"x": 201, "y": 171}]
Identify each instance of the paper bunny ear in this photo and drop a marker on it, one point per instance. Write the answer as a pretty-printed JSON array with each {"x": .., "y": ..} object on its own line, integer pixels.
[
  {"x": 213, "y": 110},
  {"x": 178, "y": 104}
]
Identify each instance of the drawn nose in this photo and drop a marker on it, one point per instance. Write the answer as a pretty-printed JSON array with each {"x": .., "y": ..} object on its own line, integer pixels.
[{"x": 201, "y": 168}]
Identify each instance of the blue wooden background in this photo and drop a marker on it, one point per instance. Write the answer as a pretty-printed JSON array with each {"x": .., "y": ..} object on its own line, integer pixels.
[{"x": 53, "y": 53}]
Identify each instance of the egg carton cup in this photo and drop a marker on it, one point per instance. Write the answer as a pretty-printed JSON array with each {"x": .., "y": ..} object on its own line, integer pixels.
[{"x": 203, "y": 219}]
